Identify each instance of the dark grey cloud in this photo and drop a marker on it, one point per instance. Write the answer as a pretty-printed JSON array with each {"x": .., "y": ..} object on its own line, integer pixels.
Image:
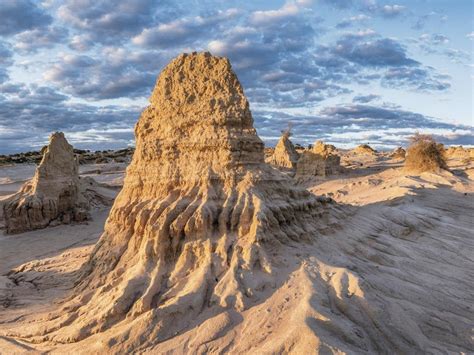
[
  {"x": 455, "y": 138},
  {"x": 419, "y": 78},
  {"x": 3, "y": 75},
  {"x": 309, "y": 75},
  {"x": 353, "y": 124},
  {"x": 256, "y": 49},
  {"x": 363, "y": 99},
  {"x": 28, "y": 114},
  {"x": 364, "y": 57},
  {"x": 117, "y": 73},
  {"x": 6, "y": 61},
  {"x": 114, "y": 21},
  {"x": 20, "y": 15},
  {"x": 6, "y": 54},
  {"x": 368, "y": 116},
  {"x": 31, "y": 41},
  {"x": 90, "y": 127},
  {"x": 10, "y": 88},
  {"x": 267, "y": 37},
  {"x": 272, "y": 52},
  {"x": 367, "y": 51},
  {"x": 273, "y": 57}
]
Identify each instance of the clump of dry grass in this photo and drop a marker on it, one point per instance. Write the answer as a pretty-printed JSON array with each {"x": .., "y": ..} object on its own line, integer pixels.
[{"x": 425, "y": 154}]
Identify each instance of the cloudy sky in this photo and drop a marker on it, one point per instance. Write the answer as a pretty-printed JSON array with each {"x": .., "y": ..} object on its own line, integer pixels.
[{"x": 345, "y": 71}]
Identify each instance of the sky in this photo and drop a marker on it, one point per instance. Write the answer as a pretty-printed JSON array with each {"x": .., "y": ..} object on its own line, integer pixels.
[{"x": 343, "y": 71}]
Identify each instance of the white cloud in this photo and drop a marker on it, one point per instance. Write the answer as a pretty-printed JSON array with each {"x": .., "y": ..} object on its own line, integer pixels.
[
  {"x": 183, "y": 30},
  {"x": 288, "y": 10},
  {"x": 392, "y": 10},
  {"x": 81, "y": 42}
]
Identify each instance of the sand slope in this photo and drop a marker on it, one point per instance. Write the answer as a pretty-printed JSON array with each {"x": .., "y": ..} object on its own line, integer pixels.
[{"x": 394, "y": 276}]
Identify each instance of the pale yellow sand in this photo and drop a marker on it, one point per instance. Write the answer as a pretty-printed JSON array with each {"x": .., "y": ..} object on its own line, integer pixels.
[{"x": 396, "y": 275}]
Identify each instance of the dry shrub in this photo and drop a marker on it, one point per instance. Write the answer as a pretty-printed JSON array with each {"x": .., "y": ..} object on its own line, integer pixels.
[
  {"x": 366, "y": 147},
  {"x": 425, "y": 154},
  {"x": 287, "y": 132}
]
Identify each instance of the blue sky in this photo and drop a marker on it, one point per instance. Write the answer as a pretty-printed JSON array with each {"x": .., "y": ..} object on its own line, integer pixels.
[{"x": 345, "y": 71}]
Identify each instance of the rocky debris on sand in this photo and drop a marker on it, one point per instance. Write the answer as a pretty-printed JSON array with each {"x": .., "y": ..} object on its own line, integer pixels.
[
  {"x": 285, "y": 154},
  {"x": 54, "y": 195},
  {"x": 321, "y": 160},
  {"x": 199, "y": 221}
]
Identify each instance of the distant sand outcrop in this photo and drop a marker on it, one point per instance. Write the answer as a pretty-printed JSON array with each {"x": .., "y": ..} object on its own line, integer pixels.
[
  {"x": 459, "y": 152},
  {"x": 364, "y": 149},
  {"x": 199, "y": 222},
  {"x": 320, "y": 160},
  {"x": 55, "y": 195},
  {"x": 398, "y": 153},
  {"x": 285, "y": 154},
  {"x": 324, "y": 149}
]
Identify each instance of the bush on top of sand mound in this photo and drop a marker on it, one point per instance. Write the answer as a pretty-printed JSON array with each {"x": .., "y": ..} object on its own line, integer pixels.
[{"x": 425, "y": 154}]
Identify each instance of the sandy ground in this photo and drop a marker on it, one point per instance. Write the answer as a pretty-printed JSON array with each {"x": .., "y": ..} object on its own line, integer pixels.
[
  {"x": 395, "y": 276},
  {"x": 13, "y": 176}
]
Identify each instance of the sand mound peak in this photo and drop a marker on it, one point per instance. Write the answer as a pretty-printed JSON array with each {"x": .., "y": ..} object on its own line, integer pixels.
[
  {"x": 285, "y": 154},
  {"x": 55, "y": 194},
  {"x": 199, "y": 221}
]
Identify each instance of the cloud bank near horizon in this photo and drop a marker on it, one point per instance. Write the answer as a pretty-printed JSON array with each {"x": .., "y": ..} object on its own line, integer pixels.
[{"x": 343, "y": 71}]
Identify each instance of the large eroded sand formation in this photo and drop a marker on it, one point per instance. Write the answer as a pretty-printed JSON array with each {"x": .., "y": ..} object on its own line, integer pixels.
[{"x": 199, "y": 219}]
